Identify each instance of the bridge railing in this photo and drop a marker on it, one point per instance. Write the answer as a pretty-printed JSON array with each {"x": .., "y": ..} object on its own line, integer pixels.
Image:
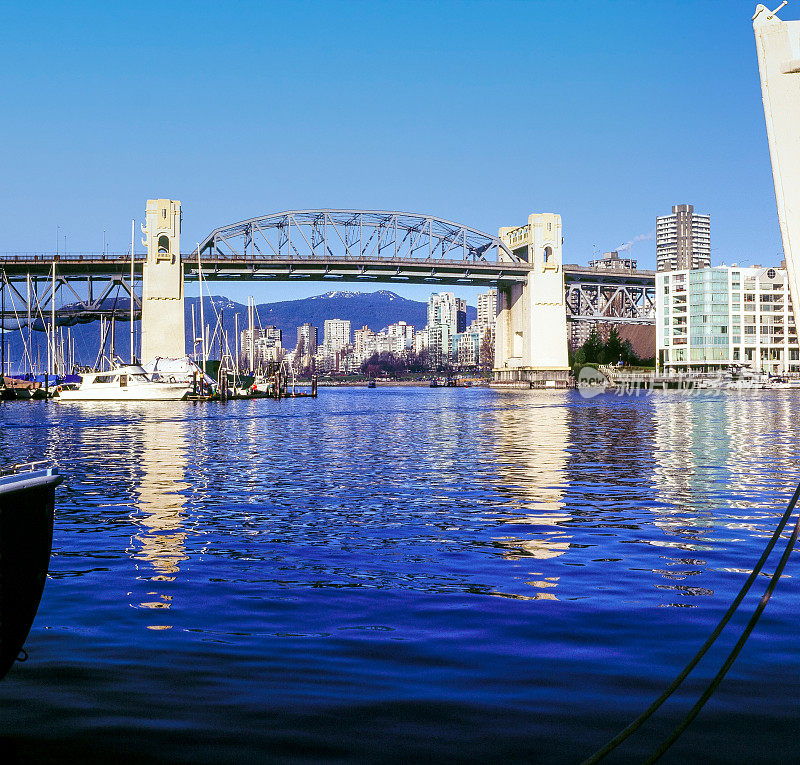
[
  {"x": 69, "y": 257},
  {"x": 210, "y": 258}
]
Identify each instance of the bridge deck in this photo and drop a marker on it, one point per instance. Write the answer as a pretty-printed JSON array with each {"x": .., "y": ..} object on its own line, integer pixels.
[{"x": 391, "y": 270}]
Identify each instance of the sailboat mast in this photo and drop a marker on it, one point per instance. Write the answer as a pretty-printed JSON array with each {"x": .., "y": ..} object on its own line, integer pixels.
[
  {"x": 251, "y": 328},
  {"x": 133, "y": 355},
  {"x": 28, "y": 287},
  {"x": 52, "y": 364},
  {"x": 202, "y": 320}
]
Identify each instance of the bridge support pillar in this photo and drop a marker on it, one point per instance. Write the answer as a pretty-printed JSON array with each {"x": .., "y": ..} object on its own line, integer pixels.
[
  {"x": 163, "y": 322},
  {"x": 531, "y": 325},
  {"x": 778, "y": 48}
]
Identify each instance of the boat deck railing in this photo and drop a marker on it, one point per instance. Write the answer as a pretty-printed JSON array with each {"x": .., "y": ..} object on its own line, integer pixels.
[{"x": 25, "y": 467}]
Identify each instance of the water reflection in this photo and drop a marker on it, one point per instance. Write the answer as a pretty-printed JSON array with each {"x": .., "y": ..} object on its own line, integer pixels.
[
  {"x": 533, "y": 441},
  {"x": 162, "y": 455}
]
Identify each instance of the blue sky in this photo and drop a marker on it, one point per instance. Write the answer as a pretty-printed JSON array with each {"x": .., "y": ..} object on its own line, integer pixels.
[{"x": 480, "y": 112}]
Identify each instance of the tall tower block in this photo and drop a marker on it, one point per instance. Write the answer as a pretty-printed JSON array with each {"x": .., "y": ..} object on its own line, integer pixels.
[
  {"x": 531, "y": 324},
  {"x": 163, "y": 323},
  {"x": 778, "y": 48}
]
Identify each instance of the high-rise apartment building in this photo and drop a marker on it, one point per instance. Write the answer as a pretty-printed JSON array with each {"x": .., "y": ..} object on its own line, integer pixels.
[
  {"x": 487, "y": 308},
  {"x": 336, "y": 335},
  {"x": 307, "y": 339},
  {"x": 364, "y": 344},
  {"x": 446, "y": 308},
  {"x": 683, "y": 240},
  {"x": 260, "y": 344},
  {"x": 401, "y": 337}
]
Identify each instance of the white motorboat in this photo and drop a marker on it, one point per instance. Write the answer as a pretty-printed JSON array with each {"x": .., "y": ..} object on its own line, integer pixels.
[
  {"x": 130, "y": 383},
  {"x": 783, "y": 383}
]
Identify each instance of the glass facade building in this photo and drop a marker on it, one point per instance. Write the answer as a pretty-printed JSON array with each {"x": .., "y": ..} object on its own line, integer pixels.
[{"x": 710, "y": 319}]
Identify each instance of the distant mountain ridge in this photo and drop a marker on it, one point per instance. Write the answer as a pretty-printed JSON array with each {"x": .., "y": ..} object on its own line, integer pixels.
[{"x": 376, "y": 310}]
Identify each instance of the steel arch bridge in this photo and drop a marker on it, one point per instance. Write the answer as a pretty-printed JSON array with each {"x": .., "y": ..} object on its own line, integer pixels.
[
  {"x": 352, "y": 234},
  {"x": 355, "y": 245}
]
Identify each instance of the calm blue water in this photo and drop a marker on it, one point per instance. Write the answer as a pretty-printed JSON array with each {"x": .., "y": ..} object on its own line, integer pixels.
[{"x": 404, "y": 574}]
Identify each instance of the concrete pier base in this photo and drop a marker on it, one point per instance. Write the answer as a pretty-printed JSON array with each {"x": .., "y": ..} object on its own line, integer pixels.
[{"x": 526, "y": 377}]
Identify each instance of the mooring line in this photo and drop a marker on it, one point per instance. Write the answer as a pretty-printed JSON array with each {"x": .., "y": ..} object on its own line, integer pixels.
[
  {"x": 712, "y": 686},
  {"x": 639, "y": 721}
]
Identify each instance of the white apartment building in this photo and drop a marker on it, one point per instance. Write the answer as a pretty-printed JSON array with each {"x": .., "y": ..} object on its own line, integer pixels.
[
  {"x": 364, "y": 344},
  {"x": 260, "y": 344},
  {"x": 336, "y": 334},
  {"x": 307, "y": 339},
  {"x": 401, "y": 336},
  {"x": 683, "y": 240},
  {"x": 487, "y": 308},
  {"x": 446, "y": 308},
  {"x": 268, "y": 349},
  {"x": 712, "y": 318},
  {"x": 438, "y": 343}
]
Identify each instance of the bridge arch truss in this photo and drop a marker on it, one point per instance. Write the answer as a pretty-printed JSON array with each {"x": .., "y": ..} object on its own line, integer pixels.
[{"x": 372, "y": 235}]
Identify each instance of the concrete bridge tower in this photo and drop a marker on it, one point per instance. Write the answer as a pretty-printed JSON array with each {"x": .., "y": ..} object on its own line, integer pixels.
[
  {"x": 163, "y": 323},
  {"x": 531, "y": 325},
  {"x": 778, "y": 48}
]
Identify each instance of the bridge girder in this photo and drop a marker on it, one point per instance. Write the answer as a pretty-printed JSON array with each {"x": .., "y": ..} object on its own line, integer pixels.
[{"x": 621, "y": 301}]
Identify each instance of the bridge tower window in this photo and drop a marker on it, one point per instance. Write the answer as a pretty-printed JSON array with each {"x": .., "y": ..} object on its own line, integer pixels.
[
  {"x": 163, "y": 245},
  {"x": 548, "y": 254}
]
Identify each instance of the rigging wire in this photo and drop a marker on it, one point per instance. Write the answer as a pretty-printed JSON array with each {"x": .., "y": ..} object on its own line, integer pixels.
[{"x": 639, "y": 721}]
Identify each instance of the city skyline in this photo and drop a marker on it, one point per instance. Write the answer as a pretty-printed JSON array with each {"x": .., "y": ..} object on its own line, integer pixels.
[{"x": 485, "y": 172}]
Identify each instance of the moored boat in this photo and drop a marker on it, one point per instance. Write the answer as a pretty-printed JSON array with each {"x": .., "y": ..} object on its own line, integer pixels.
[
  {"x": 27, "y": 498},
  {"x": 129, "y": 383}
]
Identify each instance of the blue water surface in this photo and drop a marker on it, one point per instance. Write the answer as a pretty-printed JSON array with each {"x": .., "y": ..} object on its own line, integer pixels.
[{"x": 405, "y": 574}]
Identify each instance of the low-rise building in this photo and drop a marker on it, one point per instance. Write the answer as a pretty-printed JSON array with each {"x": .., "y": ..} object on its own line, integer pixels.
[
  {"x": 611, "y": 261},
  {"x": 466, "y": 348}
]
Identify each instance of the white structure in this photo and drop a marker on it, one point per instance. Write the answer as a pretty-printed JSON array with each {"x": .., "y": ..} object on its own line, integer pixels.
[
  {"x": 446, "y": 308},
  {"x": 683, "y": 240},
  {"x": 487, "y": 309},
  {"x": 531, "y": 327},
  {"x": 261, "y": 345},
  {"x": 778, "y": 48},
  {"x": 401, "y": 337},
  {"x": 611, "y": 261},
  {"x": 712, "y": 318},
  {"x": 438, "y": 344},
  {"x": 364, "y": 344},
  {"x": 307, "y": 339},
  {"x": 466, "y": 348},
  {"x": 163, "y": 322},
  {"x": 336, "y": 335}
]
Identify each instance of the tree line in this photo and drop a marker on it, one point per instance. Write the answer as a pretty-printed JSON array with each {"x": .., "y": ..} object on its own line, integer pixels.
[{"x": 611, "y": 351}]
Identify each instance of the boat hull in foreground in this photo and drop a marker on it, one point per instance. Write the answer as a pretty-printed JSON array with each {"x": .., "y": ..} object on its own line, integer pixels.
[{"x": 27, "y": 499}]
